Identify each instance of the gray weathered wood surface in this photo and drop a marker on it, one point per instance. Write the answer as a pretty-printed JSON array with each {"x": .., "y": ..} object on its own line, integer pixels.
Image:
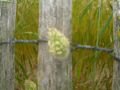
[
  {"x": 54, "y": 74},
  {"x": 116, "y": 30},
  {"x": 7, "y": 26}
]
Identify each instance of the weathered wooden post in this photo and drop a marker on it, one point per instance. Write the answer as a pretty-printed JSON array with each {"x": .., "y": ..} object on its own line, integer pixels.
[
  {"x": 7, "y": 26},
  {"x": 54, "y": 74},
  {"x": 116, "y": 30}
]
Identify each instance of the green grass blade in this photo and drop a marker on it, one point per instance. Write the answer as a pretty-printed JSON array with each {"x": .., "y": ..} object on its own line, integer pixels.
[
  {"x": 106, "y": 25},
  {"x": 85, "y": 10}
]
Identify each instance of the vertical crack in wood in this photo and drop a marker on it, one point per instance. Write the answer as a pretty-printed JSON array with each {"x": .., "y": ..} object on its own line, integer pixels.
[{"x": 0, "y": 13}]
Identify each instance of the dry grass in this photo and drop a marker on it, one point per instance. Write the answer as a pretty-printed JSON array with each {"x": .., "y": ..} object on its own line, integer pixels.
[{"x": 91, "y": 25}]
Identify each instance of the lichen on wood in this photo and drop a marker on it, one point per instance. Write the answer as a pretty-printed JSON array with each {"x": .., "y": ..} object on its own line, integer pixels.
[{"x": 54, "y": 73}]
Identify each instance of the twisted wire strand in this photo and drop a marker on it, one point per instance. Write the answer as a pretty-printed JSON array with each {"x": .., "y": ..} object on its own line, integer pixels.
[{"x": 73, "y": 47}]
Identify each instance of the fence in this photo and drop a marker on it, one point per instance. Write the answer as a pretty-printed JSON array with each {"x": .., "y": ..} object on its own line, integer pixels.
[
  {"x": 53, "y": 74},
  {"x": 7, "y": 23}
]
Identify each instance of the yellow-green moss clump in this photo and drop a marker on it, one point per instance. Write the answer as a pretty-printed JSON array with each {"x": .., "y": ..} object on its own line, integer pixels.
[
  {"x": 30, "y": 85},
  {"x": 58, "y": 44}
]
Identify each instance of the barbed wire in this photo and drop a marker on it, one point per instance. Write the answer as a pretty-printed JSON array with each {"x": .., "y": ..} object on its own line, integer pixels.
[{"x": 73, "y": 46}]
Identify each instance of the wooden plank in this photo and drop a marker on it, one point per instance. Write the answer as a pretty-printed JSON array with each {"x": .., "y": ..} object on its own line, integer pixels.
[
  {"x": 7, "y": 26},
  {"x": 54, "y": 74},
  {"x": 116, "y": 31}
]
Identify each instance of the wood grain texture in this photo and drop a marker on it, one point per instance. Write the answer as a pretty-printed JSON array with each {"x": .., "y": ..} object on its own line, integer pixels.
[
  {"x": 116, "y": 30},
  {"x": 7, "y": 26},
  {"x": 54, "y": 74}
]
